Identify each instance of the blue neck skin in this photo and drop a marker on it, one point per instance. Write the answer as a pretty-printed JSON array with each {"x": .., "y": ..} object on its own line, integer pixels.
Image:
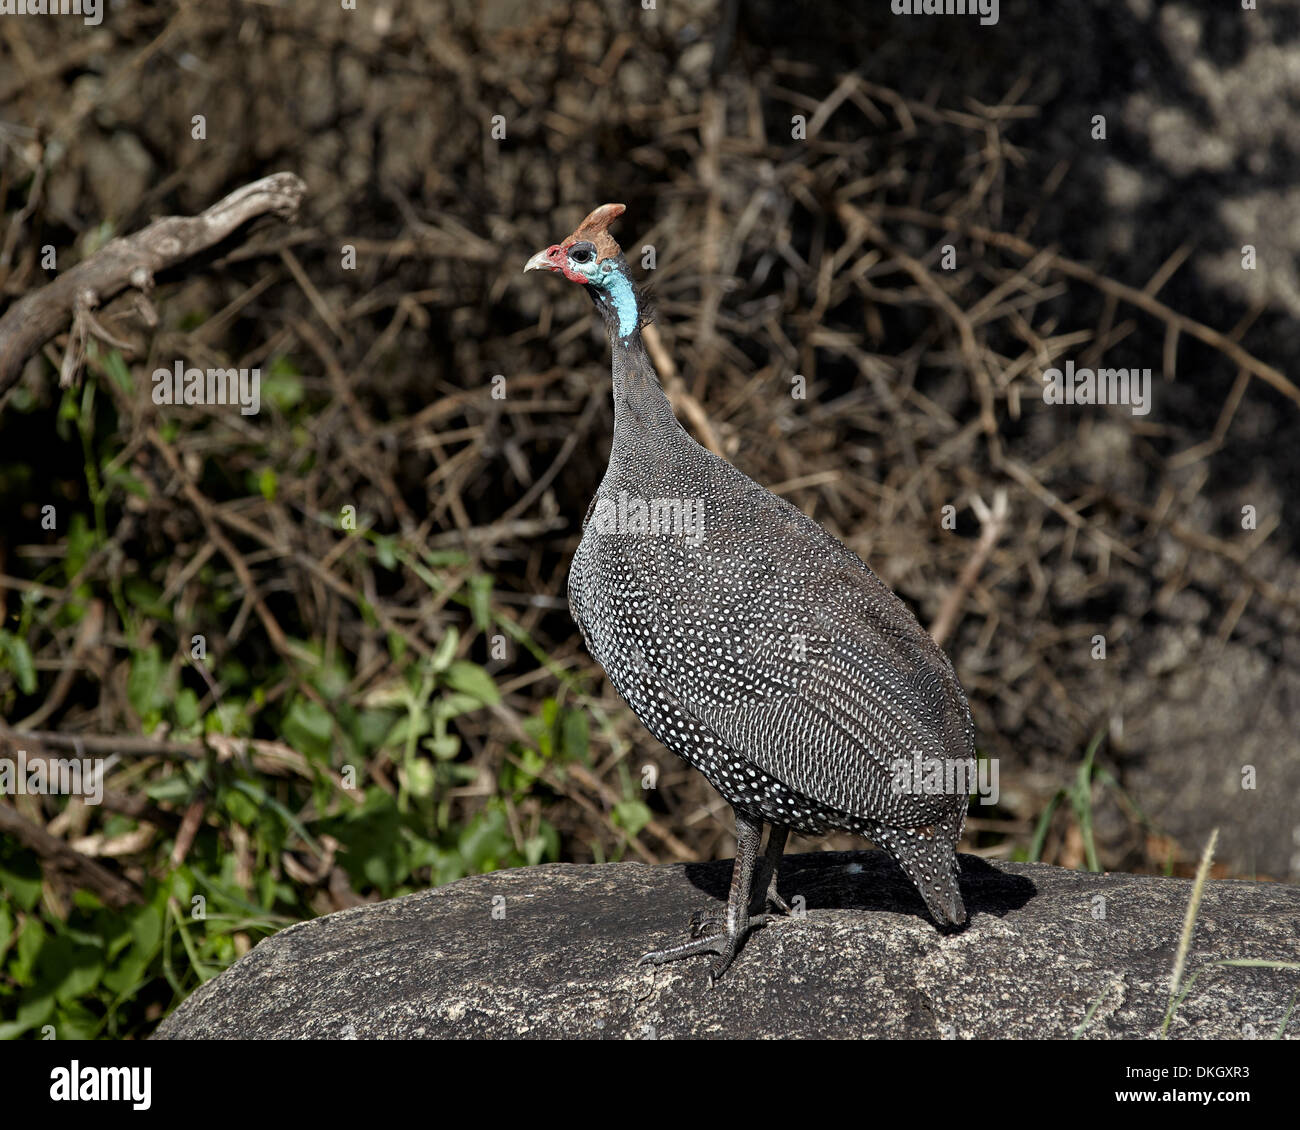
[{"x": 620, "y": 292}]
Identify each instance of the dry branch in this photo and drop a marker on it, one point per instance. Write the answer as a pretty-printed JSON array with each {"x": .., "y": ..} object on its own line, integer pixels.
[
  {"x": 80, "y": 870},
  {"x": 133, "y": 261}
]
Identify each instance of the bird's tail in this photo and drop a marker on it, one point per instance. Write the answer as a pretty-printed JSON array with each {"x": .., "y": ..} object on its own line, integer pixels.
[{"x": 928, "y": 856}]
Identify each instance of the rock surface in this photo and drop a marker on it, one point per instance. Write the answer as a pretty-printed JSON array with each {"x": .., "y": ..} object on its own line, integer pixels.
[{"x": 550, "y": 952}]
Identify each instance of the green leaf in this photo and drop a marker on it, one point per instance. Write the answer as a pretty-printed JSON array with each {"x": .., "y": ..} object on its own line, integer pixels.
[
  {"x": 117, "y": 369},
  {"x": 631, "y": 815},
  {"x": 146, "y": 598},
  {"x": 229, "y": 717},
  {"x": 74, "y": 1021},
  {"x": 181, "y": 886},
  {"x": 30, "y": 1014},
  {"x": 574, "y": 735},
  {"x": 18, "y": 658},
  {"x": 263, "y": 799},
  {"x": 127, "y": 973},
  {"x": 268, "y": 483},
  {"x": 445, "y": 650},
  {"x": 544, "y": 845},
  {"x": 486, "y": 841},
  {"x": 443, "y": 747},
  {"x": 420, "y": 778},
  {"x": 281, "y": 385},
  {"x": 455, "y": 703},
  {"x": 309, "y": 727},
  {"x": 397, "y": 647},
  {"x": 7, "y": 926},
  {"x": 415, "y": 724},
  {"x": 186, "y": 708},
  {"x": 240, "y": 808},
  {"x": 31, "y": 940},
  {"x": 70, "y": 970},
  {"x": 534, "y": 850},
  {"x": 371, "y": 726},
  {"x": 20, "y": 876},
  {"x": 173, "y": 789},
  {"x": 146, "y": 685},
  {"x": 123, "y": 480},
  {"x": 473, "y": 680},
  {"x": 480, "y": 600}
]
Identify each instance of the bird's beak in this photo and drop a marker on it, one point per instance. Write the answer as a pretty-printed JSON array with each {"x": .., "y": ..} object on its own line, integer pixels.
[{"x": 543, "y": 260}]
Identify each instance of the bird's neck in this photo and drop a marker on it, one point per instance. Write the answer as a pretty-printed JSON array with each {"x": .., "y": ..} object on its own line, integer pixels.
[{"x": 640, "y": 406}]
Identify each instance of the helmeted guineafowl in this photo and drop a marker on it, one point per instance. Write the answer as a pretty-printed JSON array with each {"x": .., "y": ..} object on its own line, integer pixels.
[{"x": 752, "y": 643}]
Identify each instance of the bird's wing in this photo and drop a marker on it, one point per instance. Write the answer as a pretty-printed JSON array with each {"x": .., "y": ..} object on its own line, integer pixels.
[{"x": 789, "y": 649}]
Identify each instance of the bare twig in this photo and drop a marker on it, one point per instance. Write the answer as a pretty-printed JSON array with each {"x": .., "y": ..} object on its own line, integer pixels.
[
  {"x": 992, "y": 520},
  {"x": 133, "y": 261},
  {"x": 80, "y": 870}
]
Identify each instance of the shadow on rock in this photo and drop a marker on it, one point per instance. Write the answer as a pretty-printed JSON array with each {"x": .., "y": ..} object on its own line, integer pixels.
[{"x": 872, "y": 881}]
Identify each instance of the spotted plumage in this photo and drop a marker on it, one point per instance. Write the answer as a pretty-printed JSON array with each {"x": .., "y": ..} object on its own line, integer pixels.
[{"x": 751, "y": 642}]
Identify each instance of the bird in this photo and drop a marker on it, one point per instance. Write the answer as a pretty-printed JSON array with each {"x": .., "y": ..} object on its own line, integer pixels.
[{"x": 754, "y": 644}]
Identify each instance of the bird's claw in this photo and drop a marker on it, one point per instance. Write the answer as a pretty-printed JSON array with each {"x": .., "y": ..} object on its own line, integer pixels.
[
  {"x": 776, "y": 900},
  {"x": 709, "y": 934}
]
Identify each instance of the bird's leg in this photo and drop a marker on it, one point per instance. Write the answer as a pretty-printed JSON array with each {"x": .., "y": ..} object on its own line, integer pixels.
[
  {"x": 728, "y": 930},
  {"x": 776, "y": 836},
  {"x": 706, "y": 922}
]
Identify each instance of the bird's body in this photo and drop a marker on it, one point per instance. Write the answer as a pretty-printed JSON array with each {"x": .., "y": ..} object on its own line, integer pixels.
[{"x": 761, "y": 650}]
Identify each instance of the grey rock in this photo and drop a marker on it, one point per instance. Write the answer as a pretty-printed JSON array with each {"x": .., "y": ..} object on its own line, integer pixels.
[{"x": 558, "y": 960}]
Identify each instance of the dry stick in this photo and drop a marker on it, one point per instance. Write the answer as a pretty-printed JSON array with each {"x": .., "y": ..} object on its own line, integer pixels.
[
  {"x": 319, "y": 304},
  {"x": 1234, "y": 552},
  {"x": 654, "y": 826},
  {"x": 413, "y": 641},
  {"x": 1025, "y": 478},
  {"x": 993, "y": 521},
  {"x": 86, "y": 641},
  {"x": 1225, "y": 345},
  {"x": 1226, "y": 415},
  {"x": 1199, "y": 451},
  {"x": 853, "y": 219},
  {"x": 1189, "y": 926},
  {"x": 83, "y": 871},
  {"x": 21, "y": 217},
  {"x": 133, "y": 261},
  {"x": 189, "y": 829},
  {"x": 276, "y": 758},
  {"x": 369, "y": 466},
  {"x": 124, "y": 745},
  {"x": 208, "y": 514},
  {"x": 544, "y": 480},
  {"x": 712, "y": 126},
  {"x": 678, "y": 393}
]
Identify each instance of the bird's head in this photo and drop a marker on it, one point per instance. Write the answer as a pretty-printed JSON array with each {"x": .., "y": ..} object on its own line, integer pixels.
[{"x": 590, "y": 256}]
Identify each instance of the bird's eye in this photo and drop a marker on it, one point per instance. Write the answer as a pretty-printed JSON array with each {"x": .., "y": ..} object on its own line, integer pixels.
[{"x": 581, "y": 254}]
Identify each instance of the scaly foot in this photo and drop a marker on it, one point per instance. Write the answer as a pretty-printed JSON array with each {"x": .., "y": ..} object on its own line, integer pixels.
[
  {"x": 709, "y": 934},
  {"x": 775, "y": 899}
]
